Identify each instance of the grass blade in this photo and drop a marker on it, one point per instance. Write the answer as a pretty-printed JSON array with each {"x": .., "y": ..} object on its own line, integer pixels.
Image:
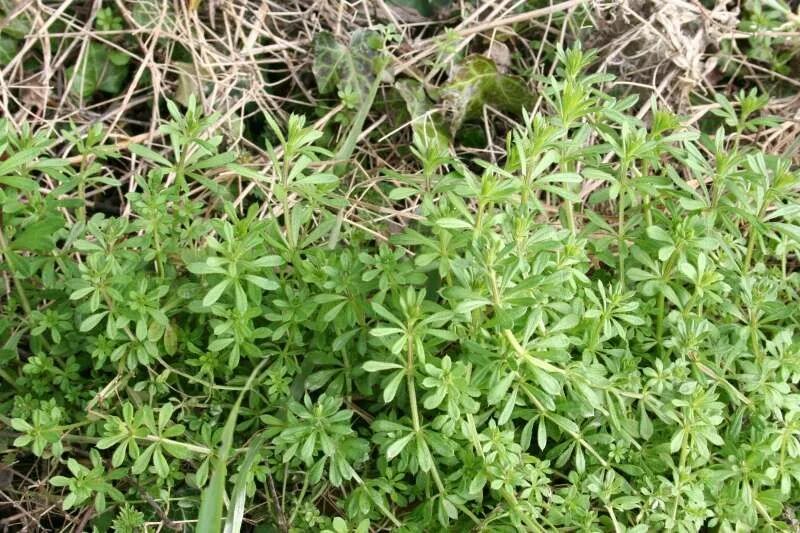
[{"x": 209, "y": 520}]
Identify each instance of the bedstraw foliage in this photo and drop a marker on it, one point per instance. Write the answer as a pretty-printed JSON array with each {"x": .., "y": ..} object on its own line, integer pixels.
[{"x": 598, "y": 331}]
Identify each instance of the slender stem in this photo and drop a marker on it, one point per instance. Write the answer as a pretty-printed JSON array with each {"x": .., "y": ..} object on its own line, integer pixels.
[
  {"x": 23, "y": 297},
  {"x": 415, "y": 420},
  {"x": 412, "y": 391},
  {"x": 753, "y": 326},
  {"x": 668, "y": 266},
  {"x": 570, "y": 217},
  {"x": 613, "y": 516},
  {"x": 299, "y": 499},
  {"x": 648, "y": 215},
  {"x": 679, "y": 480},
  {"x": 479, "y": 217},
  {"x": 11, "y": 381},
  {"x": 751, "y": 245},
  {"x": 82, "y": 189},
  {"x": 514, "y": 504},
  {"x": 751, "y": 237},
  {"x": 660, "y": 323},
  {"x": 568, "y": 203},
  {"x": 438, "y": 481},
  {"x": 180, "y": 168},
  {"x": 621, "y": 251},
  {"x": 512, "y": 339},
  {"x": 621, "y": 240},
  {"x": 287, "y": 211}
]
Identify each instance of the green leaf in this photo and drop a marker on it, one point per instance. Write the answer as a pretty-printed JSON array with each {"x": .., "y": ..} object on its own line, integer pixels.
[
  {"x": 397, "y": 446},
  {"x": 478, "y": 83},
  {"x": 215, "y": 293},
  {"x": 209, "y": 519},
  {"x": 346, "y": 68},
  {"x": 378, "y": 366},
  {"x": 658, "y": 233},
  {"x": 316, "y": 179},
  {"x": 91, "y": 321},
  {"x": 150, "y": 155},
  {"x": 391, "y": 388},
  {"x": 676, "y": 442},
  {"x": 39, "y": 236},
  {"x": 453, "y": 223},
  {"x": 101, "y": 68},
  {"x": 20, "y": 425},
  {"x": 427, "y": 121},
  {"x": 235, "y": 516},
  {"x": 8, "y": 49},
  {"x": 401, "y": 193},
  {"x": 263, "y": 283}
]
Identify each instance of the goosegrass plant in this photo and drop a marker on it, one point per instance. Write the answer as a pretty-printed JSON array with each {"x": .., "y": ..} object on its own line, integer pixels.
[{"x": 597, "y": 331}]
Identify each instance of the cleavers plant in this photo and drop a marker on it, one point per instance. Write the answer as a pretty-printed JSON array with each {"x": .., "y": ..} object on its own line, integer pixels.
[{"x": 599, "y": 331}]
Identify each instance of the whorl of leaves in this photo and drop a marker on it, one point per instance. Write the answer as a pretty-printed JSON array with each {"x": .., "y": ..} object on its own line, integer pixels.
[{"x": 597, "y": 332}]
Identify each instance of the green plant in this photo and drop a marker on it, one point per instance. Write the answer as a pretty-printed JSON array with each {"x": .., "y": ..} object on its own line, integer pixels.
[
  {"x": 100, "y": 67},
  {"x": 523, "y": 356},
  {"x": 770, "y": 24}
]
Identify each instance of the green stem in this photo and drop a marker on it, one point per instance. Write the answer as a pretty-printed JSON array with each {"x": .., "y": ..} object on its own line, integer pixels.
[
  {"x": 668, "y": 267},
  {"x": 570, "y": 217},
  {"x": 512, "y": 339},
  {"x": 617, "y": 528},
  {"x": 191, "y": 447},
  {"x": 514, "y": 504},
  {"x": 679, "y": 480},
  {"x": 11, "y": 381},
  {"x": 648, "y": 215},
  {"x": 568, "y": 203},
  {"x": 82, "y": 190},
  {"x": 621, "y": 240},
  {"x": 23, "y": 297},
  {"x": 415, "y": 421},
  {"x": 479, "y": 218},
  {"x": 180, "y": 169},
  {"x": 753, "y": 326},
  {"x": 412, "y": 391},
  {"x": 621, "y": 251},
  {"x": 660, "y": 323},
  {"x": 751, "y": 238},
  {"x": 751, "y": 245},
  {"x": 299, "y": 499}
]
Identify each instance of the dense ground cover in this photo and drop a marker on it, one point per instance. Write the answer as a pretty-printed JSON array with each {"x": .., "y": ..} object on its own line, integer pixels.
[{"x": 428, "y": 267}]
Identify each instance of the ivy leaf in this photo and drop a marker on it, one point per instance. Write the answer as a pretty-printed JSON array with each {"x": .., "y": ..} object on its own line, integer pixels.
[
  {"x": 426, "y": 120},
  {"x": 101, "y": 69},
  {"x": 346, "y": 68},
  {"x": 477, "y": 83},
  {"x": 189, "y": 76},
  {"x": 8, "y": 49},
  {"x": 425, "y": 8}
]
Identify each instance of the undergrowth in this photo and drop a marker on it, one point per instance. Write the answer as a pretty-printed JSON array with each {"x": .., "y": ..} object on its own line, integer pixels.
[{"x": 598, "y": 331}]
